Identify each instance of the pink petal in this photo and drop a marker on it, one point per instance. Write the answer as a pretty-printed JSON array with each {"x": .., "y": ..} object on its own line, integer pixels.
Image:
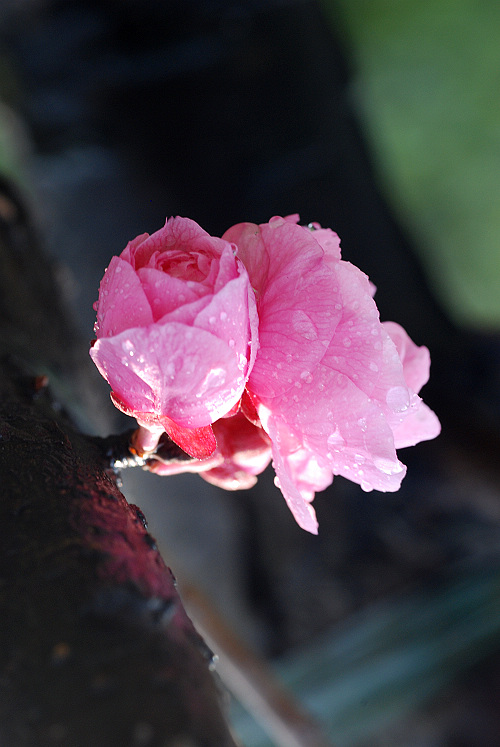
[
  {"x": 199, "y": 443},
  {"x": 296, "y": 296},
  {"x": 227, "y": 477},
  {"x": 329, "y": 242},
  {"x": 243, "y": 451},
  {"x": 178, "y": 467},
  {"x": 227, "y": 317},
  {"x": 112, "y": 357},
  {"x": 298, "y": 504},
  {"x": 246, "y": 450},
  {"x": 361, "y": 348},
  {"x": 122, "y": 302},
  {"x": 166, "y": 293},
  {"x": 421, "y": 424},
  {"x": 416, "y": 360},
  {"x": 177, "y": 233},
  {"x": 184, "y": 373},
  {"x": 338, "y": 423},
  {"x": 128, "y": 254}
]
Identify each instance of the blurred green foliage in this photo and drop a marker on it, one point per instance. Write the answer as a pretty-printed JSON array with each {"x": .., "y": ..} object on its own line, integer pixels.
[
  {"x": 14, "y": 140},
  {"x": 427, "y": 88}
]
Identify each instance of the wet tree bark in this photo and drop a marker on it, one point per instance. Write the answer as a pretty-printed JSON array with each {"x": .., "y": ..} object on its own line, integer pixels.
[{"x": 96, "y": 649}]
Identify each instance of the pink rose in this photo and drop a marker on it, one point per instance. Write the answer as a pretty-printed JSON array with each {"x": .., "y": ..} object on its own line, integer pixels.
[
  {"x": 334, "y": 389},
  {"x": 301, "y": 369},
  {"x": 174, "y": 333}
]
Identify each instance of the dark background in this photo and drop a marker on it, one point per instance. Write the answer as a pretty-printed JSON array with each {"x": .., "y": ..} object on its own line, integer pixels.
[{"x": 231, "y": 111}]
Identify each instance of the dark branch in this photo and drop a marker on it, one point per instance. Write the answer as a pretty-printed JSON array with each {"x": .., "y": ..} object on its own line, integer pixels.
[{"x": 96, "y": 649}]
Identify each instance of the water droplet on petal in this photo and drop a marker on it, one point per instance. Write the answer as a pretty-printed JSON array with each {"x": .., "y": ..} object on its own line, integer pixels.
[
  {"x": 397, "y": 398},
  {"x": 387, "y": 466},
  {"x": 335, "y": 441},
  {"x": 362, "y": 424},
  {"x": 373, "y": 367}
]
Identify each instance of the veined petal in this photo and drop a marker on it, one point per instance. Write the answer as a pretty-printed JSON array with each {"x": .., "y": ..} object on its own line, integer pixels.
[
  {"x": 297, "y": 301},
  {"x": 122, "y": 301}
]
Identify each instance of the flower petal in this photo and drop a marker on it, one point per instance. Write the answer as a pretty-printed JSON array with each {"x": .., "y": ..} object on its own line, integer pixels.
[
  {"x": 184, "y": 373},
  {"x": 302, "y": 511},
  {"x": 122, "y": 302},
  {"x": 166, "y": 293},
  {"x": 416, "y": 360},
  {"x": 296, "y": 301},
  {"x": 199, "y": 443}
]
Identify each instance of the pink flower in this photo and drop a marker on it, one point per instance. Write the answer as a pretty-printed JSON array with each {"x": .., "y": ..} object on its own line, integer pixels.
[
  {"x": 174, "y": 333},
  {"x": 334, "y": 389},
  {"x": 243, "y": 451},
  {"x": 295, "y": 366}
]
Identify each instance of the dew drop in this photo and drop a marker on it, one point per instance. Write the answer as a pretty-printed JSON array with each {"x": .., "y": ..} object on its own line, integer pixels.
[
  {"x": 387, "y": 466},
  {"x": 118, "y": 269},
  {"x": 288, "y": 358},
  {"x": 223, "y": 316},
  {"x": 212, "y": 320},
  {"x": 231, "y": 343},
  {"x": 397, "y": 399},
  {"x": 373, "y": 367},
  {"x": 346, "y": 342},
  {"x": 363, "y": 424},
  {"x": 335, "y": 441}
]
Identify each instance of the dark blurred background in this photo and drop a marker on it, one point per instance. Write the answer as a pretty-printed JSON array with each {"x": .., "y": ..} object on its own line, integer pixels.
[{"x": 363, "y": 116}]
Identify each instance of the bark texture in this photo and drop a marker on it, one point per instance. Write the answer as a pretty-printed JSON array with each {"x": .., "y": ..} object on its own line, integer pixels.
[{"x": 96, "y": 649}]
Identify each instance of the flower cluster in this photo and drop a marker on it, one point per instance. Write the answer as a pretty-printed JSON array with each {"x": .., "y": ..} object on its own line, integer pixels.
[{"x": 263, "y": 344}]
